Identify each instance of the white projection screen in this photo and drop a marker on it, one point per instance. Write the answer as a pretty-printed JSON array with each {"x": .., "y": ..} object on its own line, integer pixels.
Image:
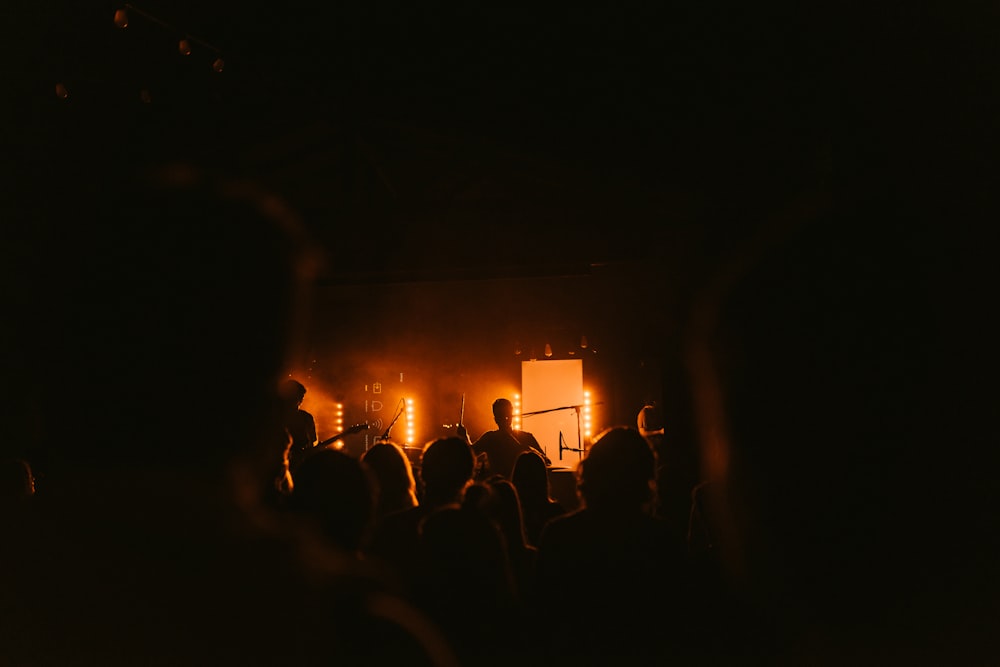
[{"x": 554, "y": 389}]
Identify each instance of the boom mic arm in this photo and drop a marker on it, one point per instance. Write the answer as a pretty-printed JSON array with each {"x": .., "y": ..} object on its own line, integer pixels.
[{"x": 399, "y": 412}]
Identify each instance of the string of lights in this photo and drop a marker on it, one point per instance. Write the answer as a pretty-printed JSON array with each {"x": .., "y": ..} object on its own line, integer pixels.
[{"x": 186, "y": 44}]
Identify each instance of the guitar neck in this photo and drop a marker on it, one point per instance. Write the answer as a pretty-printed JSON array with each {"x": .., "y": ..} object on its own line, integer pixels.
[{"x": 354, "y": 429}]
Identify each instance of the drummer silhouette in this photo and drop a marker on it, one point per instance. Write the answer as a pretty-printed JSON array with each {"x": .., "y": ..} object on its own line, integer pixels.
[{"x": 497, "y": 450}]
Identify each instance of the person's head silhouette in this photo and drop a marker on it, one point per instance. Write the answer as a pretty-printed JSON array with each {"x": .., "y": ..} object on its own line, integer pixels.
[
  {"x": 180, "y": 280},
  {"x": 397, "y": 487},
  {"x": 292, "y": 392},
  {"x": 619, "y": 470},
  {"x": 338, "y": 491},
  {"x": 446, "y": 468},
  {"x": 503, "y": 413}
]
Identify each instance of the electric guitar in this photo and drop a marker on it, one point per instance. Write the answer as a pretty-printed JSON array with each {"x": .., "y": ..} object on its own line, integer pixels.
[{"x": 357, "y": 428}]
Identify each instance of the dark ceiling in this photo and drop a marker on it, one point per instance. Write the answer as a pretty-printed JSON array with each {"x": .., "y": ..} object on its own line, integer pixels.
[
  {"x": 419, "y": 140},
  {"x": 485, "y": 139}
]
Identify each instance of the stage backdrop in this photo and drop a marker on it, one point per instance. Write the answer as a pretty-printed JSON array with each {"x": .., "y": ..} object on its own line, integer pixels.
[{"x": 553, "y": 388}]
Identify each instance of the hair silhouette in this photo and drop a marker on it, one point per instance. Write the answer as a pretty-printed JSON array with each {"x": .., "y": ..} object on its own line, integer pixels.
[{"x": 397, "y": 487}]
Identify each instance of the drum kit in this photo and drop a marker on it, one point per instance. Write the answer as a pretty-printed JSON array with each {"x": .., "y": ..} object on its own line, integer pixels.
[{"x": 562, "y": 484}]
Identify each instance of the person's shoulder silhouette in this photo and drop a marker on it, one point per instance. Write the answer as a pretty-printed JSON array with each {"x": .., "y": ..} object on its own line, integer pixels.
[
  {"x": 530, "y": 477},
  {"x": 621, "y": 559}
]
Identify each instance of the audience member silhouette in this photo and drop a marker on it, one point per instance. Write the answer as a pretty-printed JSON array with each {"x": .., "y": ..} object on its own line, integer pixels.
[
  {"x": 612, "y": 563},
  {"x": 301, "y": 425},
  {"x": 338, "y": 492},
  {"x": 467, "y": 585},
  {"x": 446, "y": 469},
  {"x": 151, "y": 543},
  {"x": 677, "y": 468},
  {"x": 497, "y": 499},
  {"x": 497, "y": 450},
  {"x": 531, "y": 479},
  {"x": 833, "y": 364},
  {"x": 649, "y": 421},
  {"x": 397, "y": 487}
]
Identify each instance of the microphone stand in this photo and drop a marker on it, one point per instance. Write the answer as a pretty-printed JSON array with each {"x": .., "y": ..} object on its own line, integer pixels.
[
  {"x": 579, "y": 437},
  {"x": 385, "y": 435},
  {"x": 566, "y": 448}
]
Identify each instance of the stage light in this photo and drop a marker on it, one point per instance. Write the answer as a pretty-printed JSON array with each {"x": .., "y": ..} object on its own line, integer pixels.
[
  {"x": 410, "y": 429},
  {"x": 121, "y": 18},
  {"x": 61, "y": 91},
  {"x": 583, "y": 342},
  {"x": 548, "y": 350},
  {"x": 184, "y": 47},
  {"x": 218, "y": 65}
]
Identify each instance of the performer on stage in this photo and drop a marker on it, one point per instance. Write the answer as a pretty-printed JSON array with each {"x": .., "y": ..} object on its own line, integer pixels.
[
  {"x": 301, "y": 425},
  {"x": 497, "y": 450}
]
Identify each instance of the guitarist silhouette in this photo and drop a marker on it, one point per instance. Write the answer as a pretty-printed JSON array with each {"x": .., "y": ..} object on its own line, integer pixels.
[{"x": 301, "y": 425}]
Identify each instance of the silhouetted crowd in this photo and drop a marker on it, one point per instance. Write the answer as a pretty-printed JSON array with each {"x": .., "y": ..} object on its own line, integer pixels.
[
  {"x": 161, "y": 512},
  {"x": 366, "y": 557}
]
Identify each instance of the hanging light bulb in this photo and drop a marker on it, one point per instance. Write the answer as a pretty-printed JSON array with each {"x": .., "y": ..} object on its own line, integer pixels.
[
  {"x": 184, "y": 47},
  {"x": 61, "y": 91},
  {"x": 583, "y": 342},
  {"x": 548, "y": 350},
  {"x": 121, "y": 18},
  {"x": 218, "y": 65}
]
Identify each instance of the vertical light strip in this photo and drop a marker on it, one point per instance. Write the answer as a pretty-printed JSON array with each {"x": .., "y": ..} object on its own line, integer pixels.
[
  {"x": 517, "y": 412},
  {"x": 410, "y": 429}
]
